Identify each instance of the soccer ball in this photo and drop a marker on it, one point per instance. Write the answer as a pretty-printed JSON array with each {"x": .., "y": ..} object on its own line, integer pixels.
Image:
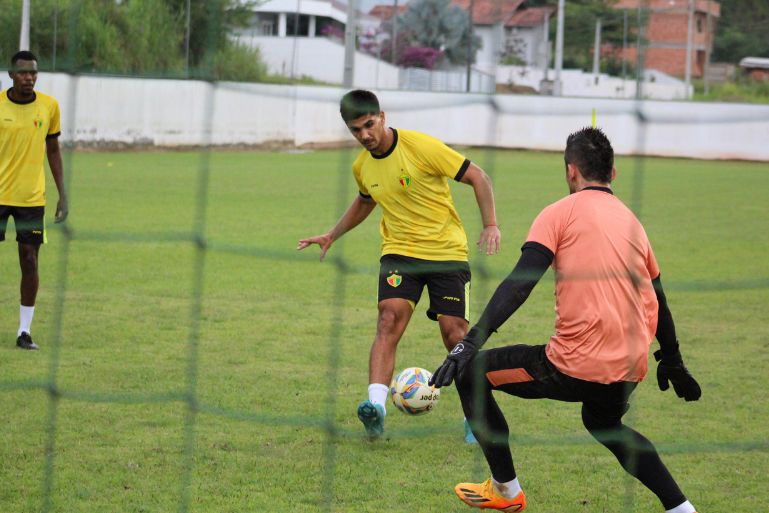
[{"x": 410, "y": 392}]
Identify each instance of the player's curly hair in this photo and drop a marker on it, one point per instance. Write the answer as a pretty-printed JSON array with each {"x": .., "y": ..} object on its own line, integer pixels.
[
  {"x": 590, "y": 150},
  {"x": 23, "y": 55},
  {"x": 358, "y": 103}
]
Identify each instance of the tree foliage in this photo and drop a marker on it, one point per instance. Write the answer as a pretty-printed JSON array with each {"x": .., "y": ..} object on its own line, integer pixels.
[
  {"x": 742, "y": 30},
  {"x": 420, "y": 57},
  {"x": 438, "y": 25},
  {"x": 137, "y": 37}
]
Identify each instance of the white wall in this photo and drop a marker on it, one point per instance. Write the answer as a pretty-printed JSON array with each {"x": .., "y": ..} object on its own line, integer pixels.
[
  {"x": 530, "y": 41},
  {"x": 321, "y": 59},
  {"x": 174, "y": 112},
  {"x": 492, "y": 38},
  {"x": 580, "y": 83}
]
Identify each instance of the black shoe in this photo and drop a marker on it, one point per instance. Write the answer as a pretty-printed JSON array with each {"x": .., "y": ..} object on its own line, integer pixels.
[{"x": 25, "y": 341}]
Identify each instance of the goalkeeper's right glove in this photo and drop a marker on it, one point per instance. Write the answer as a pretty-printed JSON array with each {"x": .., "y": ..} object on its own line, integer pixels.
[
  {"x": 454, "y": 365},
  {"x": 671, "y": 367}
]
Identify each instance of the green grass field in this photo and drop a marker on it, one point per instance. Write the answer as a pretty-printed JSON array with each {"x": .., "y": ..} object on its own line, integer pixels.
[{"x": 276, "y": 360}]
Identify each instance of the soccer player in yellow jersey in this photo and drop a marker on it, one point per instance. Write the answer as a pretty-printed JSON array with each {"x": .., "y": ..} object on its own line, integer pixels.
[
  {"x": 29, "y": 128},
  {"x": 406, "y": 173}
]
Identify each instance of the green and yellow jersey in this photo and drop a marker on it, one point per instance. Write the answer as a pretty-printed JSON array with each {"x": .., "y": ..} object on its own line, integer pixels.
[
  {"x": 410, "y": 183},
  {"x": 24, "y": 128}
]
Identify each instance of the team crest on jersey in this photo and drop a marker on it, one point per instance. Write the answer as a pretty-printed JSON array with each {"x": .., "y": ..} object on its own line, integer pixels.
[
  {"x": 404, "y": 180},
  {"x": 38, "y": 123},
  {"x": 394, "y": 279}
]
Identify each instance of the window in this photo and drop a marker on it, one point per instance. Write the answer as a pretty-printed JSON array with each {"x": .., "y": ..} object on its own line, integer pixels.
[
  {"x": 266, "y": 28},
  {"x": 266, "y": 24},
  {"x": 297, "y": 25}
]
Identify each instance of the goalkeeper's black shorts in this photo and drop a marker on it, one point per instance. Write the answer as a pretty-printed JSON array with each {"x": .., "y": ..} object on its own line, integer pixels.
[{"x": 525, "y": 371}]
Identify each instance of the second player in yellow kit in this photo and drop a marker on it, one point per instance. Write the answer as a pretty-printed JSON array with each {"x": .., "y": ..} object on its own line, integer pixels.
[
  {"x": 29, "y": 131},
  {"x": 424, "y": 243}
]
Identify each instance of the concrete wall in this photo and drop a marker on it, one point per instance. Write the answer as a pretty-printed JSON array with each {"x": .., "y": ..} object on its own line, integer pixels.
[{"x": 173, "y": 112}]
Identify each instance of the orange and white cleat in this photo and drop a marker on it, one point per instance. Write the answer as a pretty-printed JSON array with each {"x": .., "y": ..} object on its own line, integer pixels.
[{"x": 484, "y": 496}]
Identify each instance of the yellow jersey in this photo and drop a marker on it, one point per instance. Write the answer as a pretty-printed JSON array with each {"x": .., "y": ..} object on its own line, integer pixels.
[
  {"x": 24, "y": 127},
  {"x": 410, "y": 183}
]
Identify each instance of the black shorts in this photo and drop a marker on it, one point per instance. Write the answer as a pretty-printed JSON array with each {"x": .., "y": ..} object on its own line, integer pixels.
[
  {"x": 448, "y": 283},
  {"x": 525, "y": 371},
  {"x": 29, "y": 221}
]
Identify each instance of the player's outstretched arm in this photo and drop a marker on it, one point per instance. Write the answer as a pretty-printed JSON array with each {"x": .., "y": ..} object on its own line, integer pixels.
[
  {"x": 491, "y": 238},
  {"x": 53, "y": 152},
  {"x": 671, "y": 368},
  {"x": 359, "y": 209}
]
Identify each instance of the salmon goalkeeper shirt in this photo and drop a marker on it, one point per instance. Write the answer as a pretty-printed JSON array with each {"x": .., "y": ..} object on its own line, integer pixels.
[
  {"x": 410, "y": 183},
  {"x": 605, "y": 304},
  {"x": 24, "y": 128}
]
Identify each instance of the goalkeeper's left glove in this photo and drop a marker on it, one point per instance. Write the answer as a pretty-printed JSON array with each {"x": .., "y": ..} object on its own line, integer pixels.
[
  {"x": 454, "y": 364},
  {"x": 671, "y": 367}
]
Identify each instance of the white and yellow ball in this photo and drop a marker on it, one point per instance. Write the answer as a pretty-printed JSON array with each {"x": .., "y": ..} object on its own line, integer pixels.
[{"x": 410, "y": 392}]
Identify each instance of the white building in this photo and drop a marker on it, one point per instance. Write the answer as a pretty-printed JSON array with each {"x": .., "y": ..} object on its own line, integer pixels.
[
  {"x": 305, "y": 38},
  {"x": 527, "y": 36},
  {"x": 509, "y": 33}
]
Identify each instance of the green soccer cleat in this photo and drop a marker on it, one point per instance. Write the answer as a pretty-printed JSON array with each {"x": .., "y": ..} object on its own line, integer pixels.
[{"x": 372, "y": 415}]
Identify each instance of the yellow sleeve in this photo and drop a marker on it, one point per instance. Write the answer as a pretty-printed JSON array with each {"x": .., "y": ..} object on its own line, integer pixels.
[
  {"x": 438, "y": 158},
  {"x": 356, "y": 170},
  {"x": 54, "y": 127}
]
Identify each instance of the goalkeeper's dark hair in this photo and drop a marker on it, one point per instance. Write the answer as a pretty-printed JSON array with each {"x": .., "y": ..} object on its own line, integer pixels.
[
  {"x": 590, "y": 150},
  {"x": 24, "y": 55},
  {"x": 358, "y": 103}
]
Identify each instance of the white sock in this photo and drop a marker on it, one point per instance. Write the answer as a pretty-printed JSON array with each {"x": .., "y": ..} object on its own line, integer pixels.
[
  {"x": 686, "y": 507},
  {"x": 25, "y": 318},
  {"x": 377, "y": 394},
  {"x": 511, "y": 489}
]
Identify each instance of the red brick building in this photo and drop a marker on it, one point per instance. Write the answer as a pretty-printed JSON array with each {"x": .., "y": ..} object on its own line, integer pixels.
[{"x": 666, "y": 34}]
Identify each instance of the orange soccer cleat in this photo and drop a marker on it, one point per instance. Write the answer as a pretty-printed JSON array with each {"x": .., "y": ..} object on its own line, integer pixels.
[{"x": 484, "y": 496}]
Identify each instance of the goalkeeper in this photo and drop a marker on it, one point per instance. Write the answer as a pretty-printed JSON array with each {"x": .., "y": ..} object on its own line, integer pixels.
[{"x": 609, "y": 306}]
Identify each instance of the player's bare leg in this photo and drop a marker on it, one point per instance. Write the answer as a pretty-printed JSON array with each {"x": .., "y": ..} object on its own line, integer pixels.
[
  {"x": 394, "y": 316},
  {"x": 453, "y": 329},
  {"x": 30, "y": 281}
]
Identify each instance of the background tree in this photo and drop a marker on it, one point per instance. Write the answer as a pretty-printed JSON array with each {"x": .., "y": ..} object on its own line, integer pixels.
[
  {"x": 438, "y": 25},
  {"x": 137, "y": 37},
  {"x": 211, "y": 22},
  {"x": 742, "y": 30}
]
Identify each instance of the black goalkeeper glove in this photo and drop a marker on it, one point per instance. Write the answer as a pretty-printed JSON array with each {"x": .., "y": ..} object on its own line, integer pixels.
[
  {"x": 672, "y": 368},
  {"x": 454, "y": 364}
]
